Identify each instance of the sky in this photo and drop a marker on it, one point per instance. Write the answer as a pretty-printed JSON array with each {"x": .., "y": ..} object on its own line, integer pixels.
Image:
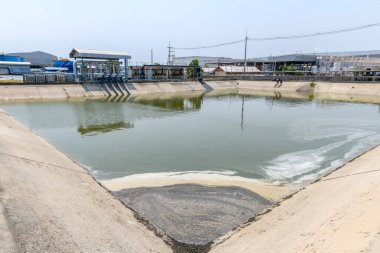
[{"x": 141, "y": 25}]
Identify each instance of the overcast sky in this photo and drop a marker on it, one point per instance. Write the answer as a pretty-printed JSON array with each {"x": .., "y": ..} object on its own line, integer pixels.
[{"x": 141, "y": 25}]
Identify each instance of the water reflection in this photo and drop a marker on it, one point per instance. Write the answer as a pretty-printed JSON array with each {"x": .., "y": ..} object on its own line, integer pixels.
[
  {"x": 179, "y": 104},
  {"x": 284, "y": 137},
  {"x": 104, "y": 128}
]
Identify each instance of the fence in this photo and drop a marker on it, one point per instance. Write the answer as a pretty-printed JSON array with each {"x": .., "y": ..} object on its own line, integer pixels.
[
  {"x": 304, "y": 78},
  {"x": 48, "y": 78}
]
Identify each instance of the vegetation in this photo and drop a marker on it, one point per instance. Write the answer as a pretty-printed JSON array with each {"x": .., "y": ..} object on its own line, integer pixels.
[
  {"x": 312, "y": 84},
  {"x": 191, "y": 72},
  {"x": 291, "y": 70}
]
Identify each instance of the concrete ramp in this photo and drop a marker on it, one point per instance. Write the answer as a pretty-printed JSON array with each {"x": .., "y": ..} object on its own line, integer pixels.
[
  {"x": 107, "y": 89},
  {"x": 119, "y": 88},
  {"x": 113, "y": 88}
]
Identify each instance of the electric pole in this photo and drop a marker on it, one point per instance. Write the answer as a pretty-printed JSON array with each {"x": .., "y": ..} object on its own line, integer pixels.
[
  {"x": 170, "y": 54},
  {"x": 151, "y": 57},
  {"x": 245, "y": 51}
]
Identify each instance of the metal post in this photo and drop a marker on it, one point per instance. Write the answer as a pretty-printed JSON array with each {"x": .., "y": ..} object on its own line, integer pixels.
[
  {"x": 151, "y": 56},
  {"x": 274, "y": 70},
  {"x": 245, "y": 51},
  {"x": 169, "y": 54},
  {"x": 75, "y": 68},
  {"x": 82, "y": 70},
  {"x": 126, "y": 69}
]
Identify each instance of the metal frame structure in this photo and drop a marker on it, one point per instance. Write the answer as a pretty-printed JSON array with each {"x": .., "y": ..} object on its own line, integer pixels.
[{"x": 95, "y": 58}]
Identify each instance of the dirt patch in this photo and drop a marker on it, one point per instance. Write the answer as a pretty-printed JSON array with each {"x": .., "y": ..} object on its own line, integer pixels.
[{"x": 193, "y": 216}]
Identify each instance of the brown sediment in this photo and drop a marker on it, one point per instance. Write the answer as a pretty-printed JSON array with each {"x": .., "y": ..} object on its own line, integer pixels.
[
  {"x": 192, "y": 216},
  {"x": 271, "y": 191}
]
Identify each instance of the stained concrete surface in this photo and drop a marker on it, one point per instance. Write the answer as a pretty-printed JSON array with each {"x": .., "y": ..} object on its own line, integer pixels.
[
  {"x": 50, "y": 204},
  {"x": 194, "y": 215}
]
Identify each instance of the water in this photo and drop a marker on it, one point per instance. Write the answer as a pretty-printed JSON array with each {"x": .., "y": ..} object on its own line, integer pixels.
[{"x": 287, "y": 140}]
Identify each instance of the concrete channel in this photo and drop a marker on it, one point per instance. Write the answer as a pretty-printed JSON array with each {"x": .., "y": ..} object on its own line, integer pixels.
[{"x": 51, "y": 204}]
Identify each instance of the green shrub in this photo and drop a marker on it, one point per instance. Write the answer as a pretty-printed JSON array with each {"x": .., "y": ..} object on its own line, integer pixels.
[{"x": 312, "y": 84}]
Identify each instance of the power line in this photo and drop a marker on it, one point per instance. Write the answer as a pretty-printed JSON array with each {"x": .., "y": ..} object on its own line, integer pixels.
[
  {"x": 317, "y": 34},
  {"x": 212, "y": 46},
  {"x": 301, "y": 36}
]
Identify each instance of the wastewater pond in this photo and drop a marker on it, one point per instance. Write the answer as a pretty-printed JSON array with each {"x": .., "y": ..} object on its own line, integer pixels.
[{"x": 265, "y": 138}]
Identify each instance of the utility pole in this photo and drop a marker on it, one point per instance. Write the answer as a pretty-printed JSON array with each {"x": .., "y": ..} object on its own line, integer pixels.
[
  {"x": 170, "y": 54},
  {"x": 245, "y": 51},
  {"x": 151, "y": 57}
]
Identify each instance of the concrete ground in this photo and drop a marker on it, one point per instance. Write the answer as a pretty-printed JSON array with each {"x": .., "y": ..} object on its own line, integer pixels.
[
  {"x": 50, "y": 204},
  {"x": 340, "y": 213}
]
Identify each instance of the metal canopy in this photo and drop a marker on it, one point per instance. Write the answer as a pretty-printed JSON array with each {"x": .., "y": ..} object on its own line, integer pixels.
[{"x": 99, "y": 54}]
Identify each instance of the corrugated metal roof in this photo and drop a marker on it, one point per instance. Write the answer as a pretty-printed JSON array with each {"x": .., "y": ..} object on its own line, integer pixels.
[
  {"x": 208, "y": 70},
  {"x": 370, "y": 53},
  {"x": 37, "y": 58},
  {"x": 238, "y": 69},
  {"x": 99, "y": 54},
  {"x": 13, "y": 63}
]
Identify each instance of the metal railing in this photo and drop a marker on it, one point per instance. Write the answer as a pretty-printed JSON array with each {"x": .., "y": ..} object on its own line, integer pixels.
[
  {"x": 55, "y": 78},
  {"x": 365, "y": 76}
]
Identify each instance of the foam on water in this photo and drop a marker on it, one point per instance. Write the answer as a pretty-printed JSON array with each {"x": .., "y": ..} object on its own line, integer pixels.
[
  {"x": 271, "y": 190},
  {"x": 308, "y": 165}
]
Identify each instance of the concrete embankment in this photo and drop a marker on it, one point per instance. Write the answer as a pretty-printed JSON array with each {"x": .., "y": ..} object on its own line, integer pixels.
[
  {"x": 50, "y": 204},
  {"x": 164, "y": 87},
  {"x": 55, "y": 91},
  {"x": 323, "y": 90},
  {"x": 339, "y": 213},
  {"x": 33, "y": 92}
]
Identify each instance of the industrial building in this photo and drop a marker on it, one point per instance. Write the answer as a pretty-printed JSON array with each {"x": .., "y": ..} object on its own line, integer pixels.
[
  {"x": 204, "y": 61},
  {"x": 37, "y": 59},
  {"x": 14, "y": 68},
  {"x": 232, "y": 70},
  {"x": 324, "y": 63},
  {"x": 11, "y": 58}
]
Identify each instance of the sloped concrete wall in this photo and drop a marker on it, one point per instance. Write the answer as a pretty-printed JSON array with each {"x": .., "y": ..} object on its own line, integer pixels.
[
  {"x": 22, "y": 92},
  {"x": 144, "y": 88},
  {"x": 270, "y": 85},
  {"x": 223, "y": 85}
]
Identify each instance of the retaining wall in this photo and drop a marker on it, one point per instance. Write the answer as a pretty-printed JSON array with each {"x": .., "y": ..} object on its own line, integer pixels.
[
  {"x": 322, "y": 89},
  {"x": 20, "y": 92},
  {"x": 163, "y": 87}
]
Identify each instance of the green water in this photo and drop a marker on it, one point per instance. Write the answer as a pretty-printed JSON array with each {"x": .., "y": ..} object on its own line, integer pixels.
[{"x": 290, "y": 140}]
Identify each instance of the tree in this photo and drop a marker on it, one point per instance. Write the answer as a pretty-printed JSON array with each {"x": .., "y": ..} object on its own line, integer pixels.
[
  {"x": 291, "y": 70},
  {"x": 191, "y": 72}
]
